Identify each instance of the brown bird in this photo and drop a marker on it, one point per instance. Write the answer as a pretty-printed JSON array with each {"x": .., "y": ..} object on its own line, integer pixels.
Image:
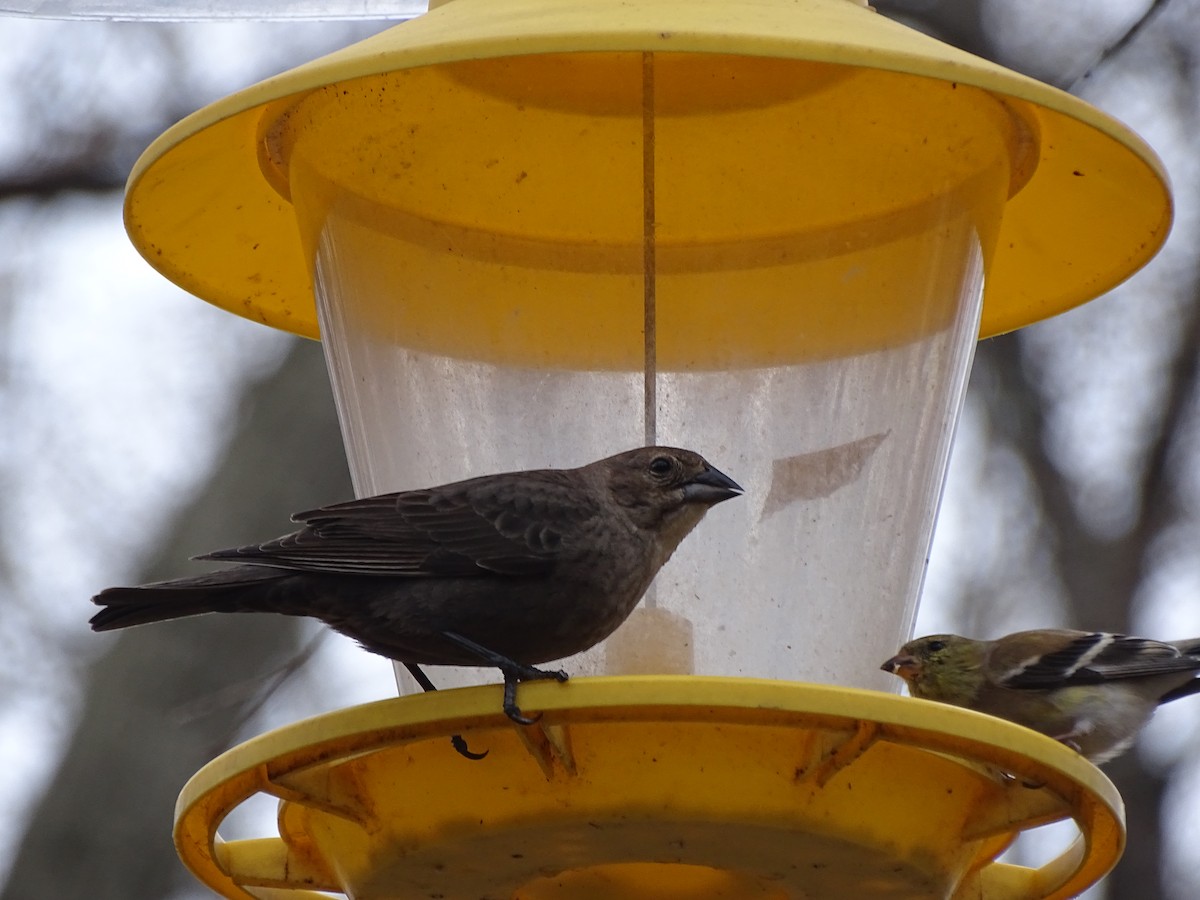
[
  {"x": 1091, "y": 690},
  {"x": 506, "y": 570}
]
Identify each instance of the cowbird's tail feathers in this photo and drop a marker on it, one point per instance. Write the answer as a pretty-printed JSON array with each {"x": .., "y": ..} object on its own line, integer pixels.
[{"x": 240, "y": 589}]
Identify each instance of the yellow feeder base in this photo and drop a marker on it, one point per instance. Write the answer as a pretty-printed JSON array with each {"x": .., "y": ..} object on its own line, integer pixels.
[{"x": 651, "y": 787}]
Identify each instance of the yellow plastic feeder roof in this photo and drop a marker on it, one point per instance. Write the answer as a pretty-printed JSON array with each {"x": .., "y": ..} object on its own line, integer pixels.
[
  {"x": 208, "y": 204},
  {"x": 648, "y": 788}
]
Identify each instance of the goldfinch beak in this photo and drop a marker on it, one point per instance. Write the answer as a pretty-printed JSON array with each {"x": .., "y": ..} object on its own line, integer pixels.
[{"x": 907, "y": 667}]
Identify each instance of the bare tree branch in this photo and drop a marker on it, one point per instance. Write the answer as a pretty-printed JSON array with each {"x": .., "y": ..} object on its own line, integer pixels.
[{"x": 1108, "y": 53}]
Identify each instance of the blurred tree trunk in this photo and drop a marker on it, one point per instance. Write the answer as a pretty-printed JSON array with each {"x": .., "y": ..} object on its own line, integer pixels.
[
  {"x": 957, "y": 22},
  {"x": 103, "y": 828}
]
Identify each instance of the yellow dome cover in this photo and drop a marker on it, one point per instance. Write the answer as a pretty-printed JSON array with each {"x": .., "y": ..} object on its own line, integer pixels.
[{"x": 209, "y": 205}]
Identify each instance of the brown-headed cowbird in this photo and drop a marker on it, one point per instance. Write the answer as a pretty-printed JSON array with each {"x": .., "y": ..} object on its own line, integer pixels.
[
  {"x": 1091, "y": 690},
  {"x": 504, "y": 570}
]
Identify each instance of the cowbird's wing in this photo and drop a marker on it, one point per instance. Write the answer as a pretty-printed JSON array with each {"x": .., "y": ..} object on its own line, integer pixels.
[
  {"x": 1064, "y": 658},
  {"x": 512, "y": 524}
]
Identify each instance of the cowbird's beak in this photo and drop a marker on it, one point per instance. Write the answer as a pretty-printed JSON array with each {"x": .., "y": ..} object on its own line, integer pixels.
[
  {"x": 903, "y": 665},
  {"x": 711, "y": 487}
]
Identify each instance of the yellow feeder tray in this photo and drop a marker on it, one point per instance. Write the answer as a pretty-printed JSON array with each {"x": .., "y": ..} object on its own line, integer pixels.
[{"x": 651, "y": 787}]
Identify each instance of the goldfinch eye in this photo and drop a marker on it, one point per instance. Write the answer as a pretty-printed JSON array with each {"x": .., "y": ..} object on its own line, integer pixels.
[
  {"x": 935, "y": 646},
  {"x": 660, "y": 466}
]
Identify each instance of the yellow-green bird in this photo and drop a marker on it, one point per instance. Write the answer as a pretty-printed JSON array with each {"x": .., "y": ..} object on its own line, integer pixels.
[{"x": 1091, "y": 690}]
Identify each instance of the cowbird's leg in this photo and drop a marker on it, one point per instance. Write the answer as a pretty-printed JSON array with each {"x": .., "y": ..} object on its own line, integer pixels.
[
  {"x": 420, "y": 677},
  {"x": 456, "y": 740},
  {"x": 520, "y": 671},
  {"x": 514, "y": 673}
]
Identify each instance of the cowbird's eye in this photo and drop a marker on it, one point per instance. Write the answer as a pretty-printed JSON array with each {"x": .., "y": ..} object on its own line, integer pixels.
[{"x": 660, "y": 466}]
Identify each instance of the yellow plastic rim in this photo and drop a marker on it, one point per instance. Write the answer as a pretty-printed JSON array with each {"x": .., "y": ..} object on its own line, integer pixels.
[{"x": 755, "y": 788}]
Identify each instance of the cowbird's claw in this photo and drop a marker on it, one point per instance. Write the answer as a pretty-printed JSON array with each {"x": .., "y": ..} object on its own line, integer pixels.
[
  {"x": 510, "y": 702},
  {"x": 420, "y": 677},
  {"x": 514, "y": 674},
  {"x": 456, "y": 740},
  {"x": 459, "y": 744}
]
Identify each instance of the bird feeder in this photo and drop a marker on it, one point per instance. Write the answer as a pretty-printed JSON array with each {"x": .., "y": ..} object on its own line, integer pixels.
[{"x": 536, "y": 232}]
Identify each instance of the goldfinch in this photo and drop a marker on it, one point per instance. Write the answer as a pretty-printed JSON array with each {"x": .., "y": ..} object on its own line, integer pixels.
[{"x": 1091, "y": 690}]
